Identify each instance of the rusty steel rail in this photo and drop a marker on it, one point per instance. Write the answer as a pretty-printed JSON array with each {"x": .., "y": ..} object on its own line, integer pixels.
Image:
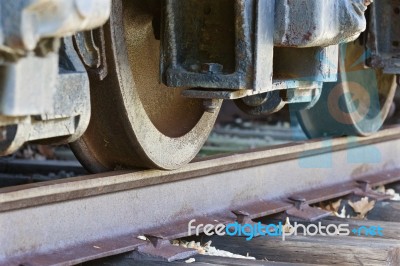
[{"x": 69, "y": 221}]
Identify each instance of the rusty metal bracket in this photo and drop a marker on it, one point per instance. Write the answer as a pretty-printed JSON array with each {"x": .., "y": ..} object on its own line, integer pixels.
[
  {"x": 383, "y": 36},
  {"x": 211, "y": 46},
  {"x": 243, "y": 218},
  {"x": 303, "y": 211},
  {"x": 365, "y": 190},
  {"x": 90, "y": 46},
  {"x": 199, "y": 49},
  {"x": 161, "y": 249}
]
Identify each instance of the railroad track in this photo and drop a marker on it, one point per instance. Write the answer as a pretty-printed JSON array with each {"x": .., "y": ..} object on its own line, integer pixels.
[
  {"x": 300, "y": 250},
  {"x": 70, "y": 221}
]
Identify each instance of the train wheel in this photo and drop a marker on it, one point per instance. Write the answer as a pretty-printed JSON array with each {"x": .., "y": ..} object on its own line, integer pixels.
[
  {"x": 137, "y": 122},
  {"x": 357, "y": 104}
]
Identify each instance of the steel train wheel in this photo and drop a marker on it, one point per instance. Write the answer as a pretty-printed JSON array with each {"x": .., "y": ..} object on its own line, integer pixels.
[
  {"x": 137, "y": 122},
  {"x": 357, "y": 104}
]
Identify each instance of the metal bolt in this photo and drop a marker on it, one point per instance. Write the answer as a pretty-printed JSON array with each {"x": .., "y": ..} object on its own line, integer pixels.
[
  {"x": 242, "y": 217},
  {"x": 298, "y": 201},
  {"x": 297, "y": 198},
  {"x": 364, "y": 185},
  {"x": 212, "y": 68},
  {"x": 157, "y": 241},
  {"x": 211, "y": 105}
]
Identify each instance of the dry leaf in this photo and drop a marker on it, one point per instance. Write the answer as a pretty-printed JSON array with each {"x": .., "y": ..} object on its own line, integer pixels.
[
  {"x": 212, "y": 251},
  {"x": 336, "y": 205},
  {"x": 207, "y": 249},
  {"x": 331, "y": 206},
  {"x": 380, "y": 189},
  {"x": 362, "y": 207},
  {"x": 358, "y": 217},
  {"x": 191, "y": 244},
  {"x": 190, "y": 260},
  {"x": 342, "y": 214},
  {"x": 390, "y": 192},
  {"x": 142, "y": 238},
  {"x": 207, "y": 244},
  {"x": 287, "y": 226},
  {"x": 394, "y": 196}
]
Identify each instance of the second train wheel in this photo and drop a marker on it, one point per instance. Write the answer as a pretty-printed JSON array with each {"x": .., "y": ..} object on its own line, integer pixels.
[
  {"x": 135, "y": 121},
  {"x": 357, "y": 104}
]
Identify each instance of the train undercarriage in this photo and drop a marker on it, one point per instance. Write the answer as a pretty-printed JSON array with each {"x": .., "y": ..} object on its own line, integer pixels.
[{"x": 144, "y": 89}]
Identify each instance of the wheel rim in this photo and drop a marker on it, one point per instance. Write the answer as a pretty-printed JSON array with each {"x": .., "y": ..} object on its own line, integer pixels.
[
  {"x": 147, "y": 125},
  {"x": 357, "y": 104}
]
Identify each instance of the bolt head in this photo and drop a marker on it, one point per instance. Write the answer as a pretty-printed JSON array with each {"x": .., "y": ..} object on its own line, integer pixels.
[
  {"x": 240, "y": 213},
  {"x": 211, "y": 68},
  {"x": 210, "y": 105},
  {"x": 297, "y": 198}
]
